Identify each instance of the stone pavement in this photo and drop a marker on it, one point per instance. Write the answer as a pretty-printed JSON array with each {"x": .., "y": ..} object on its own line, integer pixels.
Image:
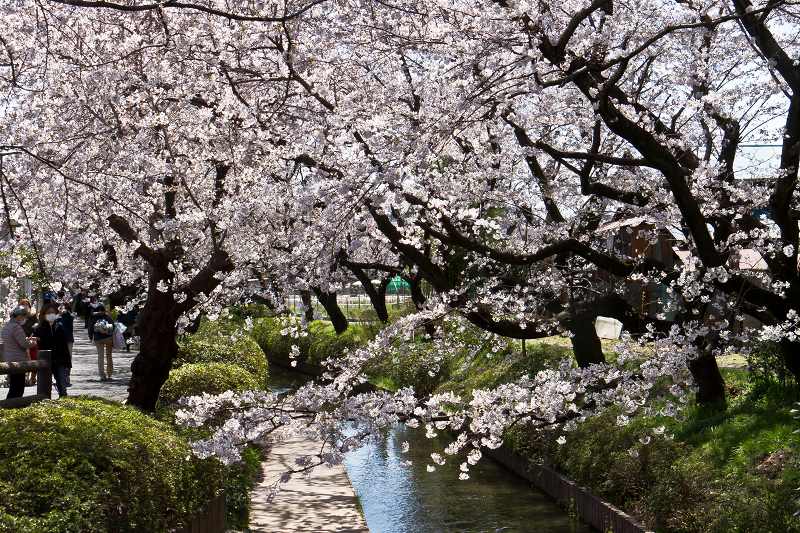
[
  {"x": 323, "y": 502},
  {"x": 85, "y": 379}
]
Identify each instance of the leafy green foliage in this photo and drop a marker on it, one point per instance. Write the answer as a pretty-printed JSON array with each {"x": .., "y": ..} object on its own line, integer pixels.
[
  {"x": 320, "y": 343},
  {"x": 89, "y": 465},
  {"x": 216, "y": 344},
  {"x": 767, "y": 366},
  {"x": 214, "y": 378},
  {"x": 729, "y": 471},
  {"x": 470, "y": 361}
]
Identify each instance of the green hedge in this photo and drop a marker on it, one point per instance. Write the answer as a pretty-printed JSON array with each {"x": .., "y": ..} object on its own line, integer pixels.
[
  {"x": 321, "y": 342},
  {"x": 214, "y": 378},
  {"x": 730, "y": 471},
  {"x": 218, "y": 346},
  {"x": 89, "y": 465}
]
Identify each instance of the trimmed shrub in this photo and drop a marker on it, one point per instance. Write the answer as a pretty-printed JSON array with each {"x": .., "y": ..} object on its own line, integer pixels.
[
  {"x": 90, "y": 465},
  {"x": 236, "y": 348},
  {"x": 214, "y": 378},
  {"x": 277, "y": 347},
  {"x": 325, "y": 343},
  {"x": 319, "y": 344}
]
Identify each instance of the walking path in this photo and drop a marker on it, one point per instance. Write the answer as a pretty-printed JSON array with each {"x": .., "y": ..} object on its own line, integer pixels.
[
  {"x": 323, "y": 502},
  {"x": 84, "y": 377}
]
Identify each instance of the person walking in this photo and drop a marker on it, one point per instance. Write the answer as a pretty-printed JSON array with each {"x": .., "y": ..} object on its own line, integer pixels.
[
  {"x": 15, "y": 348},
  {"x": 101, "y": 334},
  {"x": 51, "y": 336},
  {"x": 67, "y": 322},
  {"x": 92, "y": 307},
  {"x": 28, "y": 325}
]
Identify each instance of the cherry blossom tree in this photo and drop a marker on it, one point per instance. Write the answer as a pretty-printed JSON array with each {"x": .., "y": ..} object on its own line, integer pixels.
[{"x": 478, "y": 147}]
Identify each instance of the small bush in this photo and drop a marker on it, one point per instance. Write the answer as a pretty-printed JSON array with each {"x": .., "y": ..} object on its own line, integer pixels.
[
  {"x": 240, "y": 313},
  {"x": 320, "y": 343},
  {"x": 767, "y": 366},
  {"x": 92, "y": 466},
  {"x": 235, "y": 348},
  {"x": 325, "y": 343},
  {"x": 214, "y": 378},
  {"x": 277, "y": 347}
]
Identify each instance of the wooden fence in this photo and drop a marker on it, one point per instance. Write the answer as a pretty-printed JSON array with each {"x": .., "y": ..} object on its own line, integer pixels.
[
  {"x": 589, "y": 508},
  {"x": 44, "y": 379},
  {"x": 211, "y": 520}
]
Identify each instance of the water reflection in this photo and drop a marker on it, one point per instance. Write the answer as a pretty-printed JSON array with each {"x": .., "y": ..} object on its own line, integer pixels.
[{"x": 400, "y": 498}]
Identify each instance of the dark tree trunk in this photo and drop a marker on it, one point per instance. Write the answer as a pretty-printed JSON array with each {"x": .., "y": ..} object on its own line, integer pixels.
[
  {"x": 377, "y": 296},
  {"x": 418, "y": 298},
  {"x": 328, "y": 301},
  {"x": 415, "y": 282},
  {"x": 790, "y": 352},
  {"x": 157, "y": 328},
  {"x": 585, "y": 343},
  {"x": 710, "y": 385},
  {"x": 308, "y": 305}
]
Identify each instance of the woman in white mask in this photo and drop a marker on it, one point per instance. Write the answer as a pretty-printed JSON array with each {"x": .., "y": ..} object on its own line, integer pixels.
[{"x": 52, "y": 337}]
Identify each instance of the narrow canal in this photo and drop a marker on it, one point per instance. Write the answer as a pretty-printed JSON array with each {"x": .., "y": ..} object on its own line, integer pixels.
[
  {"x": 397, "y": 497},
  {"x": 401, "y": 498}
]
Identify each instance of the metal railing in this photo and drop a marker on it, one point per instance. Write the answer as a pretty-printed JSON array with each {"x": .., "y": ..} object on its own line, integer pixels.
[{"x": 44, "y": 379}]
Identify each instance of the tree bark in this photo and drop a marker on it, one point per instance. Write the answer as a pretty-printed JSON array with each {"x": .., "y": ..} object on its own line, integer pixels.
[
  {"x": 157, "y": 328},
  {"x": 308, "y": 305},
  {"x": 585, "y": 342},
  {"x": 710, "y": 385},
  {"x": 790, "y": 352},
  {"x": 377, "y": 296},
  {"x": 328, "y": 301}
]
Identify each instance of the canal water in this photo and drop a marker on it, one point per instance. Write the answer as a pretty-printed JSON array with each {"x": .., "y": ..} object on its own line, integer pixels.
[{"x": 400, "y": 498}]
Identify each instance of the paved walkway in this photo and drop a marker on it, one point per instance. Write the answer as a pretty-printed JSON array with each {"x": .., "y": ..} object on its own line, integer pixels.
[
  {"x": 323, "y": 502},
  {"x": 85, "y": 379}
]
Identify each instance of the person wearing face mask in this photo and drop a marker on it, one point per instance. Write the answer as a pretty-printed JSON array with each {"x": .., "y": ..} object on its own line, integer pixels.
[
  {"x": 52, "y": 336},
  {"x": 15, "y": 348},
  {"x": 30, "y": 317},
  {"x": 28, "y": 326}
]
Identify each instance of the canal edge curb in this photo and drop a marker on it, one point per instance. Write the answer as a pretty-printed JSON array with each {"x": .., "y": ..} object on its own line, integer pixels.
[{"x": 592, "y": 510}]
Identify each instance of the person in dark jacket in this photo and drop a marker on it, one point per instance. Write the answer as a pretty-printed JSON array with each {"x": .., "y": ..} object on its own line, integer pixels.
[
  {"x": 67, "y": 323},
  {"x": 101, "y": 332},
  {"x": 92, "y": 307},
  {"x": 78, "y": 306},
  {"x": 51, "y": 335}
]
